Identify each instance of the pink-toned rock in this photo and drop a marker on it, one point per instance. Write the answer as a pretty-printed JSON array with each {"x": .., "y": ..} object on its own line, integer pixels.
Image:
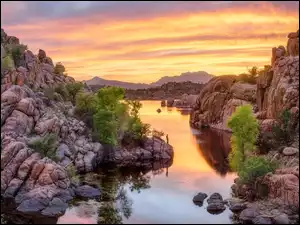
[
  {"x": 267, "y": 125},
  {"x": 27, "y": 106},
  {"x": 283, "y": 188}
]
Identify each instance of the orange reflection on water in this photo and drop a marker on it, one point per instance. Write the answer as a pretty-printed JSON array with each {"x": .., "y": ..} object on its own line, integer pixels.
[{"x": 173, "y": 123}]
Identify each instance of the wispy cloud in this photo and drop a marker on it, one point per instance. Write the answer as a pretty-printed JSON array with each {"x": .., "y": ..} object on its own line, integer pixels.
[{"x": 146, "y": 40}]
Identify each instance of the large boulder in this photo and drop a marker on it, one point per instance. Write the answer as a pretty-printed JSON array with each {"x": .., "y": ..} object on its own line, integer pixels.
[{"x": 284, "y": 186}]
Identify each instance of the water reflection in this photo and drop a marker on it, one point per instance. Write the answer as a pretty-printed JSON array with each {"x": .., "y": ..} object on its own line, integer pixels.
[
  {"x": 115, "y": 204},
  {"x": 214, "y": 146}
]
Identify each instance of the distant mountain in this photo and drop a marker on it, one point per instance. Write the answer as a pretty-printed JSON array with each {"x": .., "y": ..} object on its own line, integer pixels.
[
  {"x": 194, "y": 77},
  {"x": 96, "y": 81}
]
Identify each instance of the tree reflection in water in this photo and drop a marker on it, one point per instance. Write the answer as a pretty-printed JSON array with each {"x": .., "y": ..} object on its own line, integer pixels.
[{"x": 115, "y": 203}]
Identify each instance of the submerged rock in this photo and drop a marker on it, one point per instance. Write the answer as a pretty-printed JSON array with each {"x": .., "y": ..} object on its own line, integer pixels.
[
  {"x": 87, "y": 191},
  {"x": 199, "y": 198}
]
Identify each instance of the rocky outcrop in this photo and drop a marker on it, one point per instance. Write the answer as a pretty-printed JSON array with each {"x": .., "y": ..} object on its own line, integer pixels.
[
  {"x": 284, "y": 186},
  {"x": 293, "y": 44},
  {"x": 277, "y": 89},
  {"x": 35, "y": 182},
  {"x": 37, "y": 72},
  {"x": 218, "y": 99}
]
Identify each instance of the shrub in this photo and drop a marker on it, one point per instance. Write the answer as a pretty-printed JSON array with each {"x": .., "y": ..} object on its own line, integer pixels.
[
  {"x": 17, "y": 52},
  {"x": 59, "y": 69},
  {"x": 254, "y": 167},
  {"x": 46, "y": 146},
  {"x": 282, "y": 131},
  {"x": 49, "y": 93},
  {"x": 244, "y": 128},
  {"x": 85, "y": 102},
  {"x": 73, "y": 89},
  {"x": 7, "y": 63},
  {"x": 72, "y": 173},
  {"x": 61, "y": 89}
]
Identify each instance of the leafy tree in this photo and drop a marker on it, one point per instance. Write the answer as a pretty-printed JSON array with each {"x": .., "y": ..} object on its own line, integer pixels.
[
  {"x": 85, "y": 102},
  {"x": 73, "y": 89},
  {"x": 105, "y": 125},
  {"x": 244, "y": 128},
  {"x": 59, "y": 69}
]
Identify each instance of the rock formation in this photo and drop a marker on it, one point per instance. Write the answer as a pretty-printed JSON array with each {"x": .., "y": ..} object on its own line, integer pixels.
[
  {"x": 37, "y": 184},
  {"x": 276, "y": 89},
  {"x": 218, "y": 99}
]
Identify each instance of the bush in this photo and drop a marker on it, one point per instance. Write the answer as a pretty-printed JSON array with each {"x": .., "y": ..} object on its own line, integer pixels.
[
  {"x": 46, "y": 146},
  {"x": 244, "y": 128},
  {"x": 17, "y": 53},
  {"x": 7, "y": 63},
  {"x": 72, "y": 173},
  {"x": 85, "y": 102},
  {"x": 73, "y": 89},
  {"x": 157, "y": 133},
  {"x": 254, "y": 167},
  {"x": 49, "y": 93},
  {"x": 61, "y": 89},
  {"x": 283, "y": 132},
  {"x": 59, "y": 69}
]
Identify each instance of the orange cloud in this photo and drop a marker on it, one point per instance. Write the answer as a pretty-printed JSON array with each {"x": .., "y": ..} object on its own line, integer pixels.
[{"x": 143, "y": 49}]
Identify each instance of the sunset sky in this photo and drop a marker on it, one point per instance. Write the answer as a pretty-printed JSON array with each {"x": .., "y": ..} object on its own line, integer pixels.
[{"x": 143, "y": 41}]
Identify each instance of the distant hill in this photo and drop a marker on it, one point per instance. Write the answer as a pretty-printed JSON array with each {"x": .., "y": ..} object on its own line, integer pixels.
[
  {"x": 97, "y": 81},
  {"x": 194, "y": 77},
  {"x": 200, "y": 77}
]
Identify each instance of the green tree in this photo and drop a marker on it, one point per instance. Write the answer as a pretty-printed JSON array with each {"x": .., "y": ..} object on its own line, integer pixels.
[
  {"x": 59, "y": 69},
  {"x": 85, "y": 102},
  {"x": 244, "y": 128},
  {"x": 7, "y": 63},
  {"x": 73, "y": 89}
]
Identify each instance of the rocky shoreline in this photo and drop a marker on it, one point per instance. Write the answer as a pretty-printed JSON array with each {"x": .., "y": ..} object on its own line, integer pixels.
[
  {"x": 274, "y": 198},
  {"x": 37, "y": 184}
]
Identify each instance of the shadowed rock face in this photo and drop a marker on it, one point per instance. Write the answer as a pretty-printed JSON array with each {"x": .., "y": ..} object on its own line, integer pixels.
[{"x": 214, "y": 145}]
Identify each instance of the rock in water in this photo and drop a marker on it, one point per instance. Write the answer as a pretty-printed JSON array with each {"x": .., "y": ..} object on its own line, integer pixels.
[
  {"x": 199, "y": 198},
  {"x": 87, "y": 191}
]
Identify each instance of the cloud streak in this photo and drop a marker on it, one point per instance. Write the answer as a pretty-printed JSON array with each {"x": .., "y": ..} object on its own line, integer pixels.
[{"x": 146, "y": 40}]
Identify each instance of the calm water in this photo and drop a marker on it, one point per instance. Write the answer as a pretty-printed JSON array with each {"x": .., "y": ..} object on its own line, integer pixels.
[{"x": 163, "y": 195}]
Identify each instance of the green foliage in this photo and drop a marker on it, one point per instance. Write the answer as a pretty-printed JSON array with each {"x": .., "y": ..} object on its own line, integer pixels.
[
  {"x": 282, "y": 131},
  {"x": 105, "y": 125},
  {"x": 73, "y": 89},
  {"x": 7, "y": 63},
  {"x": 113, "y": 118},
  {"x": 72, "y": 174},
  {"x": 109, "y": 97},
  {"x": 46, "y": 146},
  {"x": 61, "y": 89},
  {"x": 17, "y": 53},
  {"x": 85, "y": 102},
  {"x": 49, "y": 93},
  {"x": 59, "y": 69},
  {"x": 254, "y": 167},
  {"x": 244, "y": 128}
]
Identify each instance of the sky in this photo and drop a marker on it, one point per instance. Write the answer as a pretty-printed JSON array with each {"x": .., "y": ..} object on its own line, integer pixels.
[{"x": 145, "y": 40}]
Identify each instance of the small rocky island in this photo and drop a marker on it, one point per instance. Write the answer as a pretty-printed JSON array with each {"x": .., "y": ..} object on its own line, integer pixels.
[{"x": 37, "y": 104}]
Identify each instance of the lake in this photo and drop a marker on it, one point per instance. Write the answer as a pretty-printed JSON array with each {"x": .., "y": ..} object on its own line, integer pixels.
[{"x": 163, "y": 195}]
